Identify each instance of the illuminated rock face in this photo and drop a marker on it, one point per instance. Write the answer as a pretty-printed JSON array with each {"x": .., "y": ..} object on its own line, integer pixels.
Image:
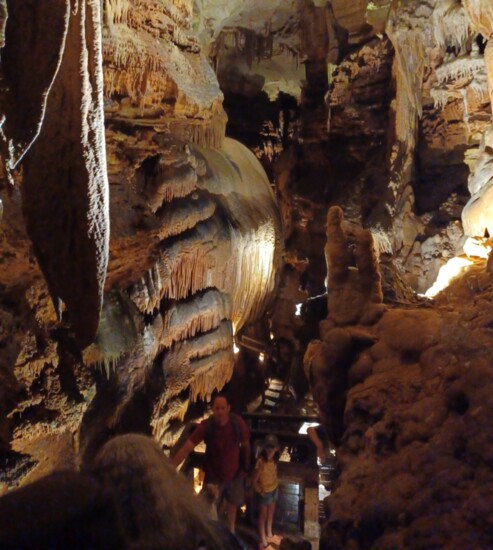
[
  {"x": 394, "y": 117},
  {"x": 65, "y": 187},
  {"x": 195, "y": 244},
  {"x": 155, "y": 69},
  {"x": 195, "y": 239},
  {"x": 213, "y": 246},
  {"x": 400, "y": 392}
]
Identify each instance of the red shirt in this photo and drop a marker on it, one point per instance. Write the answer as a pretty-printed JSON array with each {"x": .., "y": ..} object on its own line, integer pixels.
[{"x": 222, "y": 455}]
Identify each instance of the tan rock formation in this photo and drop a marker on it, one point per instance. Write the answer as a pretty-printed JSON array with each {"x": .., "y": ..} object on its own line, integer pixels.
[
  {"x": 195, "y": 243},
  {"x": 66, "y": 214},
  {"x": 403, "y": 397},
  {"x": 389, "y": 117},
  {"x": 155, "y": 69},
  {"x": 354, "y": 301}
]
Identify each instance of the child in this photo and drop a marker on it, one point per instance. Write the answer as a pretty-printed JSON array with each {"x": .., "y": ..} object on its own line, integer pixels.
[{"x": 265, "y": 483}]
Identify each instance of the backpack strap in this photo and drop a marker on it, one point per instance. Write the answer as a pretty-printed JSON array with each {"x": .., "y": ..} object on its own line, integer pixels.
[
  {"x": 211, "y": 426},
  {"x": 236, "y": 425},
  {"x": 209, "y": 429}
]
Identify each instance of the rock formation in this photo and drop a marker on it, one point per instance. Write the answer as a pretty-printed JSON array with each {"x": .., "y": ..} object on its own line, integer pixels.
[
  {"x": 373, "y": 123},
  {"x": 403, "y": 397},
  {"x": 195, "y": 235},
  {"x": 67, "y": 214}
]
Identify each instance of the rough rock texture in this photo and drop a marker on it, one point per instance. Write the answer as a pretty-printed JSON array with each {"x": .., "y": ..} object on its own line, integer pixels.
[
  {"x": 67, "y": 214},
  {"x": 405, "y": 395},
  {"x": 65, "y": 186},
  {"x": 384, "y": 109},
  {"x": 155, "y": 70},
  {"x": 195, "y": 243},
  {"x": 28, "y": 42}
]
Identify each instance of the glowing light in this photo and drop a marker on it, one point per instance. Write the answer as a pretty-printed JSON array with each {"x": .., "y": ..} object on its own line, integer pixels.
[
  {"x": 261, "y": 357},
  {"x": 447, "y": 272},
  {"x": 298, "y": 310},
  {"x": 236, "y": 349},
  {"x": 476, "y": 247},
  {"x": 271, "y": 336},
  {"x": 306, "y": 425},
  {"x": 198, "y": 480}
]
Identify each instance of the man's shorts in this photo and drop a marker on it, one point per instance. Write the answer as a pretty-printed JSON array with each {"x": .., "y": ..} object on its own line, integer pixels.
[{"x": 233, "y": 491}]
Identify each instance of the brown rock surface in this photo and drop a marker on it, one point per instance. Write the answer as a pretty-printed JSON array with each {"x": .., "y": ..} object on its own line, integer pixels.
[
  {"x": 195, "y": 244},
  {"x": 411, "y": 413},
  {"x": 384, "y": 110}
]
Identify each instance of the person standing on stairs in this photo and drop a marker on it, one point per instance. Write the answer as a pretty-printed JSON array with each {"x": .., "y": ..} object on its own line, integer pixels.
[
  {"x": 265, "y": 482},
  {"x": 227, "y": 455}
]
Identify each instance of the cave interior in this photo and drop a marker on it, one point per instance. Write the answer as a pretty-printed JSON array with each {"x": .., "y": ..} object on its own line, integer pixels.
[{"x": 285, "y": 200}]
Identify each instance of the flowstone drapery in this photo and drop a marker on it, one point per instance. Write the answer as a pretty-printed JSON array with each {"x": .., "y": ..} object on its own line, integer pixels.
[{"x": 52, "y": 108}]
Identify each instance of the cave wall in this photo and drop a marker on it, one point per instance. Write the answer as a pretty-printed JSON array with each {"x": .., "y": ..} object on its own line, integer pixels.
[
  {"x": 194, "y": 247},
  {"x": 400, "y": 385},
  {"x": 393, "y": 125},
  {"x": 384, "y": 109},
  {"x": 404, "y": 397}
]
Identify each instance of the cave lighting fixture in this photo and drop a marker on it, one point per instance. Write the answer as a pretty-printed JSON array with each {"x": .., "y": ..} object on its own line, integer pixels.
[
  {"x": 298, "y": 310},
  {"x": 236, "y": 349},
  {"x": 261, "y": 357}
]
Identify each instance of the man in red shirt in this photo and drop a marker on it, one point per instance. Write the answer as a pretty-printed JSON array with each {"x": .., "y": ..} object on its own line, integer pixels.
[{"x": 227, "y": 437}]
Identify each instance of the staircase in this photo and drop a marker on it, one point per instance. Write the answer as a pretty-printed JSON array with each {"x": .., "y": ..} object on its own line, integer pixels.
[{"x": 272, "y": 396}]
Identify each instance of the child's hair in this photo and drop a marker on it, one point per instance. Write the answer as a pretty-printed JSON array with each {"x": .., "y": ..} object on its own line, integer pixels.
[{"x": 270, "y": 441}]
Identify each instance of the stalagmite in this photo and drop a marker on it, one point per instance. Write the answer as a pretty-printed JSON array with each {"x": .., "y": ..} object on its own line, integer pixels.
[{"x": 354, "y": 281}]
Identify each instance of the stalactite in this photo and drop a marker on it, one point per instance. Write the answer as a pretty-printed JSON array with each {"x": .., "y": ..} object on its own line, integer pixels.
[
  {"x": 203, "y": 313},
  {"x": 183, "y": 353},
  {"x": 185, "y": 359},
  {"x": 381, "y": 241},
  {"x": 210, "y": 374},
  {"x": 31, "y": 56},
  {"x": 254, "y": 265},
  {"x": 191, "y": 261},
  {"x": 117, "y": 334},
  {"x": 164, "y": 414},
  {"x": 116, "y": 12},
  {"x": 451, "y": 27},
  {"x": 464, "y": 67},
  {"x": 481, "y": 16},
  {"x": 440, "y": 97},
  {"x": 147, "y": 292},
  {"x": 168, "y": 183},
  {"x": 159, "y": 66},
  {"x": 67, "y": 217},
  {"x": 479, "y": 87},
  {"x": 182, "y": 216},
  {"x": 253, "y": 45},
  {"x": 31, "y": 360}
]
